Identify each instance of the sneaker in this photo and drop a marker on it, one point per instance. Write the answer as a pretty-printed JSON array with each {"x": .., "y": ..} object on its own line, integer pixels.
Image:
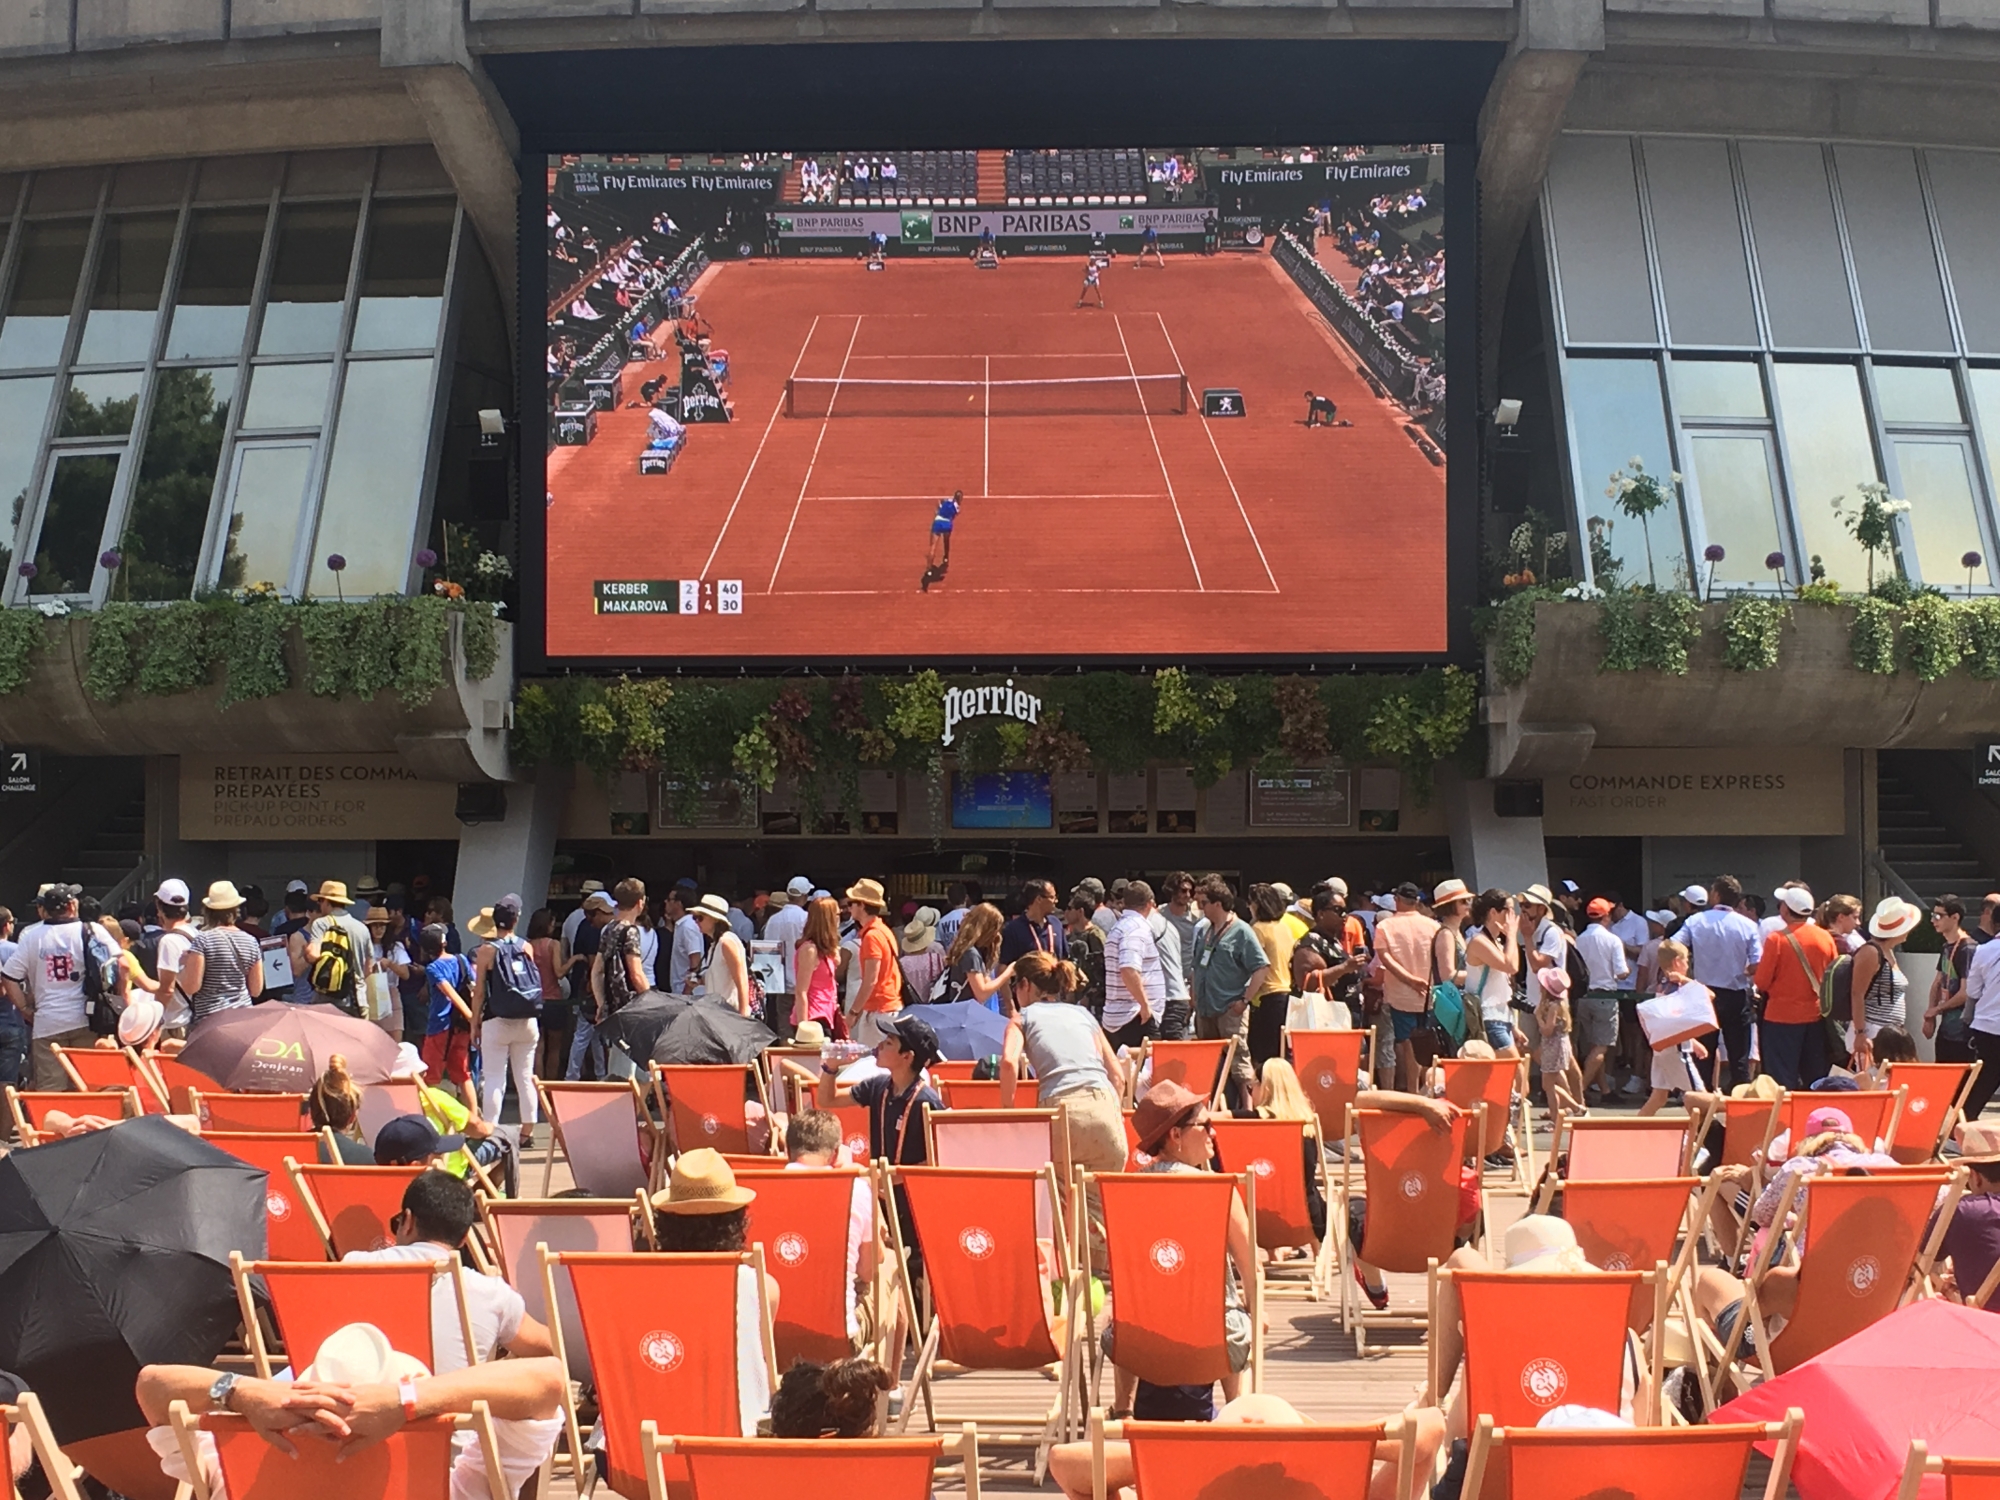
[
  {"x": 1500, "y": 1161},
  {"x": 1634, "y": 1089}
]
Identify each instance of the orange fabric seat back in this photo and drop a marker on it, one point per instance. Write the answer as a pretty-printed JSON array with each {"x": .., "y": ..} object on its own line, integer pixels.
[
  {"x": 358, "y": 1202},
  {"x": 1933, "y": 1089},
  {"x": 1193, "y": 1065},
  {"x": 1329, "y": 1067},
  {"x": 854, "y": 1129},
  {"x": 662, "y": 1335},
  {"x": 599, "y": 1126},
  {"x": 34, "y": 1104},
  {"x": 1971, "y": 1478},
  {"x": 1601, "y": 1150},
  {"x": 289, "y": 1230},
  {"x": 822, "y": 1468},
  {"x": 952, "y": 1069},
  {"x": 984, "y": 1093},
  {"x": 1273, "y": 1152},
  {"x": 179, "y": 1078},
  {"x": 1135, "y": 1159},
  {"x": 311, "y": 1301},
  {"x": 1629, "y": 1226},
  {"x": 1203, "y": 1461},
  {"x": 223, "y": 1111},
  {"x": 1535, "y": 1342},
  {"x": 1412, "y": 1175},
  {"x": 603, "y": 1226},
  {"x": 1869, "y": 1109},
  {"x": 97, "y": 1068},
  {"x": 977, "y": 1230},
  {"x": 802, "y": 1219},
  {"x": 1746, "y": 1126},
  {"x": 1862, "y": 1238},
  {"x": 1649, "y": 1463},
  {"x": 1469, "y": 1082},
  {"x": 383, "y": 1102},
  {"x": 413, "y": 1463},
  {"x": 1167, "y": 1234},
  {"x": 706, "y": 1103}
]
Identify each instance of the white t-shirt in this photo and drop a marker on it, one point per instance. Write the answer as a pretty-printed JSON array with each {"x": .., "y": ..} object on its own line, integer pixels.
[
  {"x": 1633, "y": 931},
  {"x": 496, "y": 1308},
  {"x": 649, "y": 953},
  {"x": 1167, "y": 939},
  {"x": 49, "y": 963},
  {"x": 173, "y": 947},
  {"x": 686, "y": 955},
  {"x": 786, "y": 926},
  {"x": 718, "y": 979},
  {"x": 1131, "y": 945},
  {"x": 1603, "y": 955}
]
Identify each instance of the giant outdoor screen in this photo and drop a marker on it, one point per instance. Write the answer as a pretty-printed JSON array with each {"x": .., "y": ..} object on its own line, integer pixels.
[{"x": 1010, "y": 405}]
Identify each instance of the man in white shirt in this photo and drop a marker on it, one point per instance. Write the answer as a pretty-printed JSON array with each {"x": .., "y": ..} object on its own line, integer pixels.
[
  {"x": 1546, "y": 947},
  {"x": 684, "y": 957},
  {"x": 1633, "y": 1055},
  {"x": 1982, "y": 999},
  {"x": 176, "y": 937},
  {"x": 785, "y": 926},
  {"x": 1723, "y": 949},
  {"x": 1134, "y": 985},
  {"x": 1596, "y": 1014},
  {"x": 1173, "y": 1014},
  {"x": 44, "y": 980}
]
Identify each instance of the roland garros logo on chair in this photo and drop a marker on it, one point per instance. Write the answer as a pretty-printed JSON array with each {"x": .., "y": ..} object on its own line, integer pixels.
[
  {"x": 1863, "y": 1274},
  {"x": 977, "y": 1243},
  {"x": 791, "y": 1248},
  {"x": 278, "y": 1206},
  {"x": 1413, "y": 1184},
  {"x": 1167, "y": 1257},
  {"x": 710, "y": 1125},
  {"x": 662, "y": 1351},
  {"x": 1544, "y": 1381}
]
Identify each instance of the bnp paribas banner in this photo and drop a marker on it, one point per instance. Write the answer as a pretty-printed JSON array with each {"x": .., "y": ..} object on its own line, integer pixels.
[{"x": 952, "y": 231}]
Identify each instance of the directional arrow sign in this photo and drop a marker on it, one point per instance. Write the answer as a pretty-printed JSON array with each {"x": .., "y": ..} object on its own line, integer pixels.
[
  {"x": 1989, "y": 769},
  {"x": 19, "y": 770}
]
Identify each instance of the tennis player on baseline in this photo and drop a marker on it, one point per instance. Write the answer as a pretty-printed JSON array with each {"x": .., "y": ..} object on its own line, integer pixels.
[
  {"x": 1092, "y": 271},
  {"x": 937, "y": 555}
]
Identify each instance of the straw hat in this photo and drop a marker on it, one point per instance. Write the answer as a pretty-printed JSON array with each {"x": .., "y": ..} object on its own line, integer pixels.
[
  {"x": 1450, "y": 891},
  {"x": 1538, "y": 895},
  {"x": 481, "y": 925},
  {"x": 920, "y": 932},
  {"x": 711, "y": 905},
  {"x": 360, "y": 1354},
  {"x": 1166, "y": 1105},
  {"x": 334, "y": 891},
  {"x": 143, "y": 1015},
  {"x": 1894, "y": 918},
  {"x": 869, "y": 893},
  {"x": 701, "y": 1183},
  {"x": 809, "y": 1034},
  {"x": 1763, "y": 1086},
  {"x": 222, "y": 896}
]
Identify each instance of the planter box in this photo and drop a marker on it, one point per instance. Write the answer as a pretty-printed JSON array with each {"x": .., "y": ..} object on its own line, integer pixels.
[
  {"x": 1815, "y": 695},
  {"x": 460, "y": 735}
]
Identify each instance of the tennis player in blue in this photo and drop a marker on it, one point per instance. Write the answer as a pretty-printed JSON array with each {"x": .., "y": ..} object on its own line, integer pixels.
[{"x": 937, "y": 556}]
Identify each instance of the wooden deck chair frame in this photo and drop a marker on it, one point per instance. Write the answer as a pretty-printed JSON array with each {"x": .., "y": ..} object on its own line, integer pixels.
[
  {"x": 1921, "y": 1463},
  {"x": 1354, "y": 1317},
  {"x": 134, "y": 1074},
  {"x": 1346, "y": 1091},
  {"x": 1611, "y": 1126},
  {"x": 1914, "y": 1275},
  {"x": 656, "y": 1086},
  {"x": 1520, "y": 1177},
  {"x": 187, "y": 1429},
  {"x": 975, "y": 1119},
  {"x": 285, "y": 1144},
  {"x": 641, "y": 1119},
  {"x": 1401, "y": 1431},
  {"x": 164, "y": 1068},
  {"x": 1489, "y": 1445},
  {"x": 1215, "y": 1098},
  {"x": 312, "y": 1203},
  {"x": 1800, "y": 1103},
  {"x": 1314, "y": 1277},
  {"x": 204, "y": 1100},
  {"x": 1953, "y": 1112},
  {"x": 360, "y": 1273},
  {"x": 589, "y": 1470},
  {"x": 1043, "y": 1427},
  {"x": 26, "y": 1412},
  {"x": 964, "y": 1446},
  {"x": 21, "y": 1103}
]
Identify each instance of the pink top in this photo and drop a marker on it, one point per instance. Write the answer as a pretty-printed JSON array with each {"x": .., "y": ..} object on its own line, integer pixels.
[{"x": 822, "y": 1005}]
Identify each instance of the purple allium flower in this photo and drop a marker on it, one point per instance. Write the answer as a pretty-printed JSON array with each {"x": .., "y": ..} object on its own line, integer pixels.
[
  {"x": 1775, "y": 561},
  {"x": 111, "y": 558},
  {"x": 1971, "y": 560},
  {"x": 1713, "y": 552},
  {"x": 426, "y": 558},
  {"x": 336, "y": 562},
  {"x": 27, "y": 570}
]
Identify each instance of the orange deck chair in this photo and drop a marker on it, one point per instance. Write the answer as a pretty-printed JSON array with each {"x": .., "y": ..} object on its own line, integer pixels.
[
  {"x": 101, "y": 1069},
  {"x": 28, "y": 1106},
  {"x": 1167, "y": 1239},
  {"x": 705, "y": 1104},
  {"x": 308, "y": 1302},
  {"x": 515, "y": 1227},
  {"x": 413, "y": 1463},
  {"x": 1411, "y": 1174},
  {"x": 176, "y": 1080},
  {"x": 1204, "y": 1461},
  {"x": 1964, "y": 1478},
  {"x": 1863, "y": 1248},
  {"x": 383, "y": 1102},
  {"x": 1932, "y": 1106},
  {"x": 803, "y": 1220},
  {"x": 289, "y": 1231},
  {"x": 1330, "y": 1065},
  {"x": 219, "y": 1110},
  {"x": 1629, "y": 1226},
  {"x": 1747, "y": 1128},
  {"x": 1279, "y": 1153},
  {"x": 1200, "y": 1066},
  {"x": 1647, "y": 1463},
  {"x": 897, "y": 1468},
  {"x": 606, "y": 1136},
  {"x": 1875, "y": 1112},
  {"x": 986, "y": 1277},
  {"x": 1616, "y": 1149},
  {"x": 984, "y": 1093},
  {"x": 662, "y": 1331},
  {"x": 957, "y": 1070},
  {"x": 1014, "y": 1139},
  {"x": 351, "y": 1206},
  {"x": 1501, "y": 1084},
  {"x": 1534, "y": 1342},
  {"x": 25, "y": 1412}
]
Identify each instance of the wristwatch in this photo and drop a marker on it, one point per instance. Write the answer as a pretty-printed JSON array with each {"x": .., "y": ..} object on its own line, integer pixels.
[{"x": 218, "y": 1394}]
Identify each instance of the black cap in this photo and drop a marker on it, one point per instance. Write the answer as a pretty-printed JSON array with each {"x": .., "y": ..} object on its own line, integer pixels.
[
  {"x": 915, "y": 1034},
  {"x": 57, "y": 896},
  {"x": 409, "y": 1140},
  {"x": 1409, "y": 890}
]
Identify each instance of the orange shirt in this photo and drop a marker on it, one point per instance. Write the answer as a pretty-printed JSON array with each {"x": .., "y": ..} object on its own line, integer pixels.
[
  {"x": 1406, "y": 936},
  {"x": 879, "y": 944},
  {"x": 1791, "y": 995}
]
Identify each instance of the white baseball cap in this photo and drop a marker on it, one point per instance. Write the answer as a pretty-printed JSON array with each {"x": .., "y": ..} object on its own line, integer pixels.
[
  {"x": 172, "y": 893},
  {"x": 1797, "y": 897},
  {"x": 295, "y": 885},
  {"x": 1664, "y": 917},
  {"x": 1338, "y": 886},
  {"x": 798, "y": 886},
  {"x": 1695, "y": 895}
]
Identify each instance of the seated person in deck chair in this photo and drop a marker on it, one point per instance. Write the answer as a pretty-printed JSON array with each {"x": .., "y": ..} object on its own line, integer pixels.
[
  {"x": 839, "y": 1400},
  {"x": 356, "y": 1392},
  {"x": 813, "y": 1140},
  {"x": 704, "y": 1210},
  {"x": 1440, "y": 1114}
]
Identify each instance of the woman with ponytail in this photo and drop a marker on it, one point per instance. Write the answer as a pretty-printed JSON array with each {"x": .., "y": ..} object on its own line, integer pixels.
[
  {"x": 839, "y": 1400},
  {"x": 1074, "y": 1069},
  {"x": 335, "y": 1104}
]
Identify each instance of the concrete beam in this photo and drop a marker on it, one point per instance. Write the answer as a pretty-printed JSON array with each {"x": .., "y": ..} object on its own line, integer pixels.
[
  {"x": 516, "y": 854},
  {"x": 1518, "y": 126},
  {"x": 468, "y": 124},
  {"x": 1490, "y": 852}
]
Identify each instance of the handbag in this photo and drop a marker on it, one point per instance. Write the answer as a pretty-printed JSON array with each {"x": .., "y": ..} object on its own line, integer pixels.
[
  {"x": 382, "y": 995},
  {"x": 1447, "y": 1004}
]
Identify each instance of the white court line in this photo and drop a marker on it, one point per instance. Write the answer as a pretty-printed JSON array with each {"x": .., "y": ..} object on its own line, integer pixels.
[
  {"x": 776, "y": 411},
  {"x": 806, "y": 482},
  {"x": 986, "y": 471},
  {"x": 862, "y": 359},
  {"x": 1227, "y": 477},
  {"x": 931, "y": 498},
  {"x": 1025, "y": 593},
  {"x": 1165, "y": 477}
]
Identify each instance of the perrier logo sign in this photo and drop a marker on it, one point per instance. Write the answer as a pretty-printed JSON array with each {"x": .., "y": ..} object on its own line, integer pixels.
[{"x": 916, "y": 226}]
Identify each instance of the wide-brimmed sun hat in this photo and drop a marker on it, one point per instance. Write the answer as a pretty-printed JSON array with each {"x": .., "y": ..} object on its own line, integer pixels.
[
  {"x": 360, "y": 1354},
  {"x": 1450, "y": 891},
  {"x": 1167, "y": 1104},
  {"x": 223, "y": 896},
  {"x": 711, "y": 906},
  {"x": 920, "y": 932},
  {"x": 334, "y": 891},
  {"x": 701, "y": 1183},
  {"x": 869, "y": 893},
  {"x": 1894, "y": 918}
]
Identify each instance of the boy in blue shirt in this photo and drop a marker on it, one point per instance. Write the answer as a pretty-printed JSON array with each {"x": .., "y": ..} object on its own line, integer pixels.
[{"x": 447, "y": 1050}]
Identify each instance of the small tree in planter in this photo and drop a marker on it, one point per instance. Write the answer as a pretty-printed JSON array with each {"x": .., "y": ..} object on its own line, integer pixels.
[
  {"x": 1639, "y": 494},
  {"x": 1872, "y": 522}
]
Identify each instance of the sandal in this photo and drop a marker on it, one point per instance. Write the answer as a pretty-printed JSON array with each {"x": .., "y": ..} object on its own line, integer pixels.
[
  {"x": 527, "y": 1141},
  {"x": 1378, "y": 1296}
]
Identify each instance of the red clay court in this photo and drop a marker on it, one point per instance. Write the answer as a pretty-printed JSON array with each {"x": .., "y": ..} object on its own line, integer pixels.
[{"x": 1096, "y": 520}]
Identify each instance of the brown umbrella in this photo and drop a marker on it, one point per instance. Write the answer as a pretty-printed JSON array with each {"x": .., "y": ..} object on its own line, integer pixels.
[{"x": 281, "y": 1048}]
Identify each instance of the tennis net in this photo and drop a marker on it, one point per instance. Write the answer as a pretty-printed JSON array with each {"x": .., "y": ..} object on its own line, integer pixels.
[{"x": 1079, "y": 395}]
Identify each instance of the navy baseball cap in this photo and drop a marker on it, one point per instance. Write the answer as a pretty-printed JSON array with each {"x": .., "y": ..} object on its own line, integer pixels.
[
  {"x": 915, "y": 1034},
  {"x": 409, "y": 1140}
]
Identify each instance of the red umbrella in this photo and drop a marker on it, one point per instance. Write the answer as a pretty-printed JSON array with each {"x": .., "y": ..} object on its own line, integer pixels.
[
  {"x": 280, "y": 1048},
  {"x": 1930, "y": 1370}
]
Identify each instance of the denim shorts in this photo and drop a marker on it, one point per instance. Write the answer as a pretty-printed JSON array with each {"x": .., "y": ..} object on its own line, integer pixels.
[
  {"x": 1499, "y": 1034},
  {"x": 1407, "y": 1023}
]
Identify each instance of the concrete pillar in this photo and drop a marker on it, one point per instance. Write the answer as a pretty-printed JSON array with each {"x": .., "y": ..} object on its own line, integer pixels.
[
  {"x": 1518, "y": 125},
  {"x": 1489, "y": 851},
  {"x": 516, "y": 853},
  {"x": 469, "y": 124}
]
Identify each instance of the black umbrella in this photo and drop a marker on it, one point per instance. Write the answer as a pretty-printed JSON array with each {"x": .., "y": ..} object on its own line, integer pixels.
[
  {"x": 710, "y": 1033},
  {"x": 637, "y": 1028},
  {"x": 114, "y": 1253}
]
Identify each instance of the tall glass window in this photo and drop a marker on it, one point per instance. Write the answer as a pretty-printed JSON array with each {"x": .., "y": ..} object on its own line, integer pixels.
[
  {"x": 24, "y": 406},
  {"x": 1617, "y": 414},
  {"x": 309, "y": 278},
  {"x": 72, "y": 530},
  {"x": 374, "y": 482},
  {"x": 402, "y": 280},
  {"x": 170, "y": 502},
  {"x": 37, "y": 318},
  {"x": 213, "y": 307},
  {"x": 125, "y": 293},
  {"x": 1826, "y": 433}
]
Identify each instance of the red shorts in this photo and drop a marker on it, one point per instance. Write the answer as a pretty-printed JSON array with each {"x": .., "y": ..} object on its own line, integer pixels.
[{"x": 448, "y": 1054}]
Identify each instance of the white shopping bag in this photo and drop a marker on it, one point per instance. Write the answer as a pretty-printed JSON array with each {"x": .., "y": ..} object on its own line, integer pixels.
[
  {"x": 1672, "y": 1018},
  {"x": 1315, "y": 1012}
]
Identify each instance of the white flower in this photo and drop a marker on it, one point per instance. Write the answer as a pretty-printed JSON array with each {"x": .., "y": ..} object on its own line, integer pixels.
[
  {"x": 1626, "y": 486},
  {"x": 1675, "y": 476},
  {"x": 1583, "y": 591},
  {"x": 1638, "y": 462},
  {"x": 1612, "y": 493},
  {"x": 1894, "y": 507},
  {"x": 52, "y": 609}
]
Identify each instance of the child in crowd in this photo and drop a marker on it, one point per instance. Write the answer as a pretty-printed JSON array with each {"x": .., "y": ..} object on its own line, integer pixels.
[
  {"x": 1562, "y": 1079},
  {"x": 1892, "y": 1045},
  {"x": 1673, "y": 1066}
]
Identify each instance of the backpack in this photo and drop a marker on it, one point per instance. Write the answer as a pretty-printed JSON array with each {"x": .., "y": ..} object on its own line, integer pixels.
[
  {"x": 102, "y": 1018},
  {"x": 146, "y": 948},
  {"x": 513, "y": 983},
  {"x": 1575, "y": 967},
  {"x": 333, "y": 971}
]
